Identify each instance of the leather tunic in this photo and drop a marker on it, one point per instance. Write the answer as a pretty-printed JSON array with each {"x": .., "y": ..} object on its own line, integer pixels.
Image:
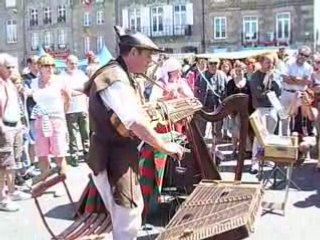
[{"x": 108, "y": 149}]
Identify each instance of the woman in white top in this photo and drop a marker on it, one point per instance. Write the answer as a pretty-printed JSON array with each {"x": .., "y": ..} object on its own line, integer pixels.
[
  {"x": 315, "y": 77},
  {"x": 175, "y": 86},
  {"x": 52, "y": 98}
]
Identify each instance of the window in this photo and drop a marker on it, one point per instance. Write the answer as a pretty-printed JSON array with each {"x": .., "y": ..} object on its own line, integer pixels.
[
  {"x": 135, "y": 19},
  {"x": 34, "y": 41},
  {"x": 11, "y": 31},
  {"x": 180, "y": 19},
  {"x": 86, "y": 19},
  {"x": 10, "y": 3},
  {"x": 100, "y": 17},
  {"x": 283, "y": 27},
  {"x": 62, "y": 36},
  {"x": 61, "y": 13},
  {"x": 47, "y": 16},
  {"x": 99, "y": 1},
  {"x": 100, "y": 43},
  {"x": 220, "y": 27},
  {"x": 33, "y": 17},
  {"x": 157, "y": 20},
  {"x": 270, "y": 36},
  {"x": 86, "y": 44},
  {"x": 250, "y": 28},
  {"x": 47, "y": 39}
]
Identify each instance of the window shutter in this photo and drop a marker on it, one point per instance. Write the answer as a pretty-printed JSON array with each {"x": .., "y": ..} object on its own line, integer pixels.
[
  {"x": 8, "y": 32},
  {"x": 189, "y": 8},
  {"x": 145, "y": 21},
  {"x": 168, "y": 20},
  {"x": 125, "y": 18}
]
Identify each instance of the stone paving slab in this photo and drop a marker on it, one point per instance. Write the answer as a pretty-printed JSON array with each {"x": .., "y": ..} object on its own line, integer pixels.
[{"x": 301, "y": 221}]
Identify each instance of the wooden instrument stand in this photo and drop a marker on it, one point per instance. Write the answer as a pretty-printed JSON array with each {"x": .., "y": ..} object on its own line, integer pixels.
[{"x": 283, "y": 151}]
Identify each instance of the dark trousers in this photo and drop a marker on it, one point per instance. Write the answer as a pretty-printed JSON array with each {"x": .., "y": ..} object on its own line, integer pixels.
[{"x": 78, "y": 123}]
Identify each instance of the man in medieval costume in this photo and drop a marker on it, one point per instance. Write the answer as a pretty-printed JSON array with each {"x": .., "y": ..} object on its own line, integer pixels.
[{"x": 118, "y": 125}]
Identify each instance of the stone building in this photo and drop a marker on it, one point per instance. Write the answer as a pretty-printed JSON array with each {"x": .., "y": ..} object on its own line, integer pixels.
[
  {"x": 76, "y": 26},
  {"x": 228, "y": 24},
  {"x": 12, "y": 37},
  {"x": 48, "y": 24},
  {"x": 60, "y": 27},
  {"x": 93, "y": 26},
  {"x": 168, "y": 22},
  {"x": 234, "y": 24}
]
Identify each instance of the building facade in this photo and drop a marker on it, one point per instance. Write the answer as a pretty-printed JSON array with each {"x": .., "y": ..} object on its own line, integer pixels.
[
  {"x": 60, "y": 27},
  {"x": 168, "y": 22},
  {"x": 219, "y": 25},
  {"x": 316, "y": 26},
  {"x": 48, "y": 25},
  {"x": 77, "y": 26},
  {"x": 241, "y": 24},
  {"x": 93, "y": 26},
  {"x": 11, "y": 39}
]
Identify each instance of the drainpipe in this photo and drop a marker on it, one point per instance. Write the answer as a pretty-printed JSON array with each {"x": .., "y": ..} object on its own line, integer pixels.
[{"x": 203, "y": 40}]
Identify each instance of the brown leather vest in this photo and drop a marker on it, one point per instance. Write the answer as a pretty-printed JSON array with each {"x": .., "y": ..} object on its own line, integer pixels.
[{"x": 108, "y": 149}]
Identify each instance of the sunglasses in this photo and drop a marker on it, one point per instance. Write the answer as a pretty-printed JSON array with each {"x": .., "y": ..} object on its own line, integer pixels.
[
  {"x": 73, "y": 63},
  {"x": 304, "y": 55},
  {"x": 10, "y": 67},
  {"x": 48, "y": 65}
]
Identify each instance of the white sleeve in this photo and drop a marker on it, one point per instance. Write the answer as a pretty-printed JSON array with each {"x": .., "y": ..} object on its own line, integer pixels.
[
  {"x": 122, "y": 100},
  {"x": 286, "y": 69},
  {"x": 309, "y": 71},
  {"x": 186, "y": 88},
  {"x": 156, "y": 93}
]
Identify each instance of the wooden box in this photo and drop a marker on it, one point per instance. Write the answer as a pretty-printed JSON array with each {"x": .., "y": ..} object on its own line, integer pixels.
[{"x": 283, "y": 149}]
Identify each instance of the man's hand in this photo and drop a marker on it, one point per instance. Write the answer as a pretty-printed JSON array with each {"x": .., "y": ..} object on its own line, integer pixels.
[
  {"x": 174, "y": 150},
  {"x": 28, "y": 92},
  {"x": 289, "y": 80},
  {"x": 316, "y": 89},
  {"x": 75, "y": 93}
]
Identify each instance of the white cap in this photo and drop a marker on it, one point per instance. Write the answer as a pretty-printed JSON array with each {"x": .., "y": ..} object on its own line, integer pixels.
[
  {"x": 171, "y": 65},
  {"x": 316, "y": 57},
  {"x": 8, "y": 60}
]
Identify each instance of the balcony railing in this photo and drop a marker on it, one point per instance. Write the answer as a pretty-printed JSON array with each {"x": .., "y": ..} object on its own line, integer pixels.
[
  {"x": 48, "y": 46},
  {"x": 61, "y": 19},
  {"x": 51, "y": 47},
  {"x": 166, "y": 30},
  {"x": 263, "y": 40},
  {"x": 47, "y": 21},
  {"x": 33, "y": 22}
]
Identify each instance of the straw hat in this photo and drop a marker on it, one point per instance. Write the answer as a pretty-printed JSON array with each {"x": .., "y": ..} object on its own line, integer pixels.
[
  {"x": 171, "y": 65},
  {"x": 213, "y": 60},
  {"x": 46, "y": 59}
]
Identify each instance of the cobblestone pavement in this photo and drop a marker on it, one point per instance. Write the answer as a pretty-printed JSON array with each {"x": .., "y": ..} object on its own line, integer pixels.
[{"x": 301, "y": 221}]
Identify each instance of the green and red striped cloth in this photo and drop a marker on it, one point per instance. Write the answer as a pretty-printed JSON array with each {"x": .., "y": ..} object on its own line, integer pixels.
[{"x": 152, "y": 165}]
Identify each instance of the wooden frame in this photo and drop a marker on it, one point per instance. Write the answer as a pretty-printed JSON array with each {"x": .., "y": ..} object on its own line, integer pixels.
[
  {"x": 284, "y": 150},
  {"x": 87, "y": 226}
]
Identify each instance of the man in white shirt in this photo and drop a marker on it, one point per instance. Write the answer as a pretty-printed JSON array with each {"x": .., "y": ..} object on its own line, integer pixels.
[
  {"x": 118, "y": 124},
  {"x": 77, "y": 113},
  {"x": 296, "y": 77},
  {"x": 10, "y": 136},
  {"x": 93, "y": 64}
]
